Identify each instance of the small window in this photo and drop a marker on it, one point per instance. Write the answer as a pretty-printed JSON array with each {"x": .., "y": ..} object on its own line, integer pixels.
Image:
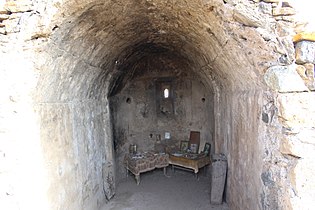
[{"x": 166, "y": 93}]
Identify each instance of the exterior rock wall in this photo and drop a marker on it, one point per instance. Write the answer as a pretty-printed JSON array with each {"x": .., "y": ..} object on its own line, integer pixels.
[
  {"x": 287, "y": 130},
  {"x": 296, "y": 114},
  {"x": 22, "y": 176}
]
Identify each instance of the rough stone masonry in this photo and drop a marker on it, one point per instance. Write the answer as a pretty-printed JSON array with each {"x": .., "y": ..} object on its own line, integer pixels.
[{"x": 63, "y": 62}]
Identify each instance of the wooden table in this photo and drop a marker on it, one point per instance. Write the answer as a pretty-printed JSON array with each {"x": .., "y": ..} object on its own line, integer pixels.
[
  {"x": 189, "y": 161},
  {"x": 143, "y": 162}
]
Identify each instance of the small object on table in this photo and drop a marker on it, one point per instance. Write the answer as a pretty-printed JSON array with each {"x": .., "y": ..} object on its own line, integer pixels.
[
  {"x": 207, "y": 149},
  {"x": 133, "y": 149},
  {"x": 184, "y": 146}
]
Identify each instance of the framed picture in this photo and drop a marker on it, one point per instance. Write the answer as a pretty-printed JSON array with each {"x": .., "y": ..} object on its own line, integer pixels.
[
  {"x": 194, "y": 148},
  {"x": 167, "y": 135},
  {"x": 207, "y": 149},
  {"x": 183, "y": 146}
]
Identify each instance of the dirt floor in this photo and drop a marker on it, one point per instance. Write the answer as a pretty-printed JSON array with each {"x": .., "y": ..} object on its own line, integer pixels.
[{"x": 180, "y": 191}]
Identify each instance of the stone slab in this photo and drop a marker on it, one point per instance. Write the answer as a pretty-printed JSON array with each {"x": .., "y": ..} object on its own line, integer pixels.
[
  {"x": 247, "y": 16},
  {"x": 297, "y": 109},
  {"x": 299, "y": 145},
  {"x": 302, "y": 177},
  {"x": 265, "y": 8},
  {"x": 283, "y": 11},
  {"x": 304, "y": 37},
  {"x": 218, "y": 168},
  {"x": 273, "y": 1},
  {"x": 306, "y": 72},
  {"x": 305, "y": 52},
  {"x": 309, "y": 67},
  {"x": 18, "y": 6},
  {"x": 284, "y": 79}
]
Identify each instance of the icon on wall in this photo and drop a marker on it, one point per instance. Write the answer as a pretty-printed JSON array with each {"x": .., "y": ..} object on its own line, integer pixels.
[{"x": 167, "y": 135}]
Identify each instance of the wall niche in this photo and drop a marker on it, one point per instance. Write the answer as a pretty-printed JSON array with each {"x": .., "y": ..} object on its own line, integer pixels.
[{"x": 165, "y": 98}]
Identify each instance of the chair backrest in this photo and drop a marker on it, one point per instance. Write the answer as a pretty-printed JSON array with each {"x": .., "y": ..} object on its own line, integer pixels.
[{"x": 194, "y": 141}]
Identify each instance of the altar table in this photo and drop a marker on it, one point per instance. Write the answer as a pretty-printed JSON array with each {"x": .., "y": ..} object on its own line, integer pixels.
[
  {"x": 190, "y": 161},
  {"x": 143, "y": 162}
]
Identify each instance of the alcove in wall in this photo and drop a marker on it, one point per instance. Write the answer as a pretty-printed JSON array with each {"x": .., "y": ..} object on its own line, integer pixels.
[{"x": 162, "y": 95}]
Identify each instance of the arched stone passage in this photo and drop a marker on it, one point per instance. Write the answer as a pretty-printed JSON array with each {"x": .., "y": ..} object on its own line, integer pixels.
[
  {"x": 91, "y": 50},
  {"x": 94, "y": 53}
]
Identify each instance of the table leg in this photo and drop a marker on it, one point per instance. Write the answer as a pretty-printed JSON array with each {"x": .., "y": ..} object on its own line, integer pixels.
[
  {"x": 137, "y": 179},
  {"x": 165, "y": 172},
  {"x": 196, "y": 175}
]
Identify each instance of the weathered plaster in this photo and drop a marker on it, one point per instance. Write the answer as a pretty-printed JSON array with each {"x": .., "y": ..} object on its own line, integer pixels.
[{"x": 61, "y": 60}]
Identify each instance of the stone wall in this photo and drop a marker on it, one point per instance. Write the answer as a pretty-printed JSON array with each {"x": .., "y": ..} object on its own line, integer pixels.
[
  {"x": 238, "y": 117},
  {"x": 296, "y": 113},
  {"x": 74, "y": 153},
  {"x": 285, "y": 130},
  {"x": 55, "y": 143},
  {"x": 61, "y": 59},
  {"x": 294, "y": 83}
]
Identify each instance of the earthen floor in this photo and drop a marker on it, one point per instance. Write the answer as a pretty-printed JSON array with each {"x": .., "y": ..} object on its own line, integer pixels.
[{"x": 180, "y": 191}]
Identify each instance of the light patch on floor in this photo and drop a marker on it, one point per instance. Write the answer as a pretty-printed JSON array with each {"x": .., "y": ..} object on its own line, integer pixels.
[{"x": 181, "y": 191}]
